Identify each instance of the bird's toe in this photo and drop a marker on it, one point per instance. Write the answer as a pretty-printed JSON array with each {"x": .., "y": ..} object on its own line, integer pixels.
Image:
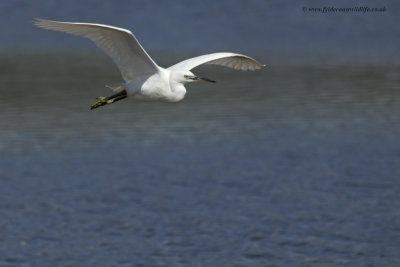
[{"x": 99, "y": 103}]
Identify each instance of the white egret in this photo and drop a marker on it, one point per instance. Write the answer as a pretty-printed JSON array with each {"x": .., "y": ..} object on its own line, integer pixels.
[{"x": 144, "y": 79}]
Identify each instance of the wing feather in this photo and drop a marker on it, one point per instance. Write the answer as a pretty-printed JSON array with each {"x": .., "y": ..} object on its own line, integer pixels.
[
  {"x": 226, "y": 59},
  {"x": 120, "y": 44}
]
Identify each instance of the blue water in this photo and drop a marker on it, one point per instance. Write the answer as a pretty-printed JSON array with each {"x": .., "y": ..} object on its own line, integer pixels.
[{"x": 288, "y": 166}]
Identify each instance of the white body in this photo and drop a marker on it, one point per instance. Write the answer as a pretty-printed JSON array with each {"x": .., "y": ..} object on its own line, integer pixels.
[
  {"x": 159, "y": 86},
  {"x": 144, "y": 79}
]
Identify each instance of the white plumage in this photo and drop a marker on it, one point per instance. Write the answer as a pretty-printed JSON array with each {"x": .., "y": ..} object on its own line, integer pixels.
[{"x": 144, "y": 79}]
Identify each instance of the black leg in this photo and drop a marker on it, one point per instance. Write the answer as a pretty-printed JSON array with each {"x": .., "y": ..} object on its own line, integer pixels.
[
  {"x": 108, "y": 100},
  {"x": 122, "y": 93},
  {"x": 118, "y": 98}
]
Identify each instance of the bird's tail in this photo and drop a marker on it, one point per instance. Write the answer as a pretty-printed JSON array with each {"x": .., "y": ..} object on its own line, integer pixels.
[{"x": 118, "y": 87}]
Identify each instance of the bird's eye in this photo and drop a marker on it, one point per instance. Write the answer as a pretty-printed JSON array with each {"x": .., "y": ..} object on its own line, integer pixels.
[{"x": 186, "y": 76}]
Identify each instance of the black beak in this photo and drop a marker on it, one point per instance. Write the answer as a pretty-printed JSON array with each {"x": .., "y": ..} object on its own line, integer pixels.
[{"x": 203, "y": 79}]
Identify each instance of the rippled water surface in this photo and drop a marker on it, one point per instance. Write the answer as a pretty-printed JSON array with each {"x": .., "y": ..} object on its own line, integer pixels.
[{"x": 288, "y": 166}]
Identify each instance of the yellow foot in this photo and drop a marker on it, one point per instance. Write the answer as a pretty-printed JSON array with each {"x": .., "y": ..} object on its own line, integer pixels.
[
  {"x": 101, "y": 102},
  {"x": 97, "y": 104}
]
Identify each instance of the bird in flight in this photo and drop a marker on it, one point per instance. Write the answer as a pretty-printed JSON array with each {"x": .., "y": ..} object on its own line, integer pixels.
[{"x": 144, "y": 79}]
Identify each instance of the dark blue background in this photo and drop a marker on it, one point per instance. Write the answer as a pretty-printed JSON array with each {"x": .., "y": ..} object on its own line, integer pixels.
[{"x": 280, "y": 31}]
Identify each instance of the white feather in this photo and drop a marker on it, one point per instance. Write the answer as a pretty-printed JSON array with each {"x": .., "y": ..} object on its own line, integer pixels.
[
  {"x": 120, "y": 44},
  {"x": 230, "y": 60}
]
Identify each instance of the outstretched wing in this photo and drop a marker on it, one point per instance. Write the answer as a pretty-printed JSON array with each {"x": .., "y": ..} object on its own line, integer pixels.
[
  {"x": 120, "y": 44},
  {"x": 230, "y": 60}
]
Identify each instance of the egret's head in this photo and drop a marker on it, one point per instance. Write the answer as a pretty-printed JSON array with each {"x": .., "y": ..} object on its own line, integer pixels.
[{"x": 188, "y": 77}]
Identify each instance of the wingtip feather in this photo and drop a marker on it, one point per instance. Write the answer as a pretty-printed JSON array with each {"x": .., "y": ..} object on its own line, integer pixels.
[
  {"x": 36, "y": 21},
  {"x": 41, "y": 23}
]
